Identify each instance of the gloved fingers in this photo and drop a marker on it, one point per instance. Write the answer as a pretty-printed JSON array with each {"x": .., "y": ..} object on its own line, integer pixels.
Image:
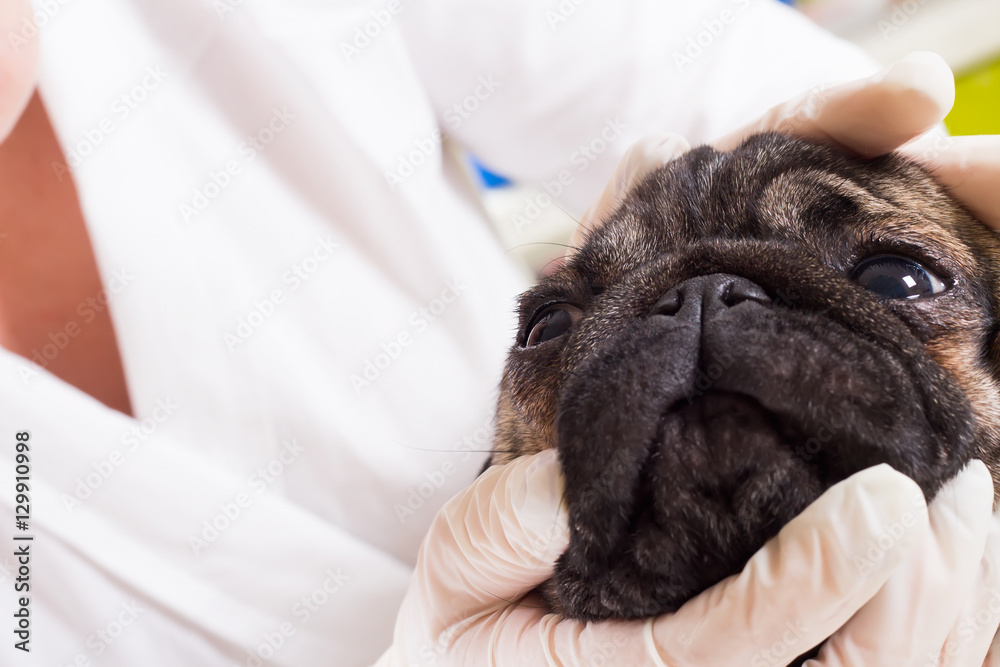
[
  {"x": 870, "y": 116},
  {"x": 908, "y": 621},
  {"x": 806, "y": 582},
  {"x": 794, "y": 593},
  {"x": 968, "y": 166},
  {"x": 642, "y": 157},
  {"x": 970, "y": 638},
  {"x": 487, "y": 545}
]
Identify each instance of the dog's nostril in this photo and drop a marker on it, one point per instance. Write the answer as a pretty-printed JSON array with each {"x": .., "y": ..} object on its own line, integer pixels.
[
  {"x": 739, "y": 290},
  {"x": 705, "y": 297},
  {"x": 728, "y": 298},
  {"x": 669, "y": 304}
]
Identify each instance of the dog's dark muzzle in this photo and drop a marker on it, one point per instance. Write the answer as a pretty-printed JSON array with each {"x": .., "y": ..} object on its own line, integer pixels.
[
  {"x": 703, "y": 298},
  {"x": 708, "y": 422}
]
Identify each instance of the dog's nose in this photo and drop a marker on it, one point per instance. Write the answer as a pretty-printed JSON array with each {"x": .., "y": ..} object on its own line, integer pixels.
[{"x": 704, "y": 297}]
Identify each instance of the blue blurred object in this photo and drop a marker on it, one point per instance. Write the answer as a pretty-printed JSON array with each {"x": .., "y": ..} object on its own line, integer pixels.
[
  {"x": 787, "y": 2},
  {"x": 487, "y": 177}
]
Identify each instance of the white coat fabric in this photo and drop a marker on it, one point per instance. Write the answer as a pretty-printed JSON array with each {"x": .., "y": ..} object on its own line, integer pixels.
[{"x": 311, "y": 307}]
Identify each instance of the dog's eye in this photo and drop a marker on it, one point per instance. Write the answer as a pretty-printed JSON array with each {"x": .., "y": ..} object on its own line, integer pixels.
[
  {"x": 892, "y": 277},
  {"x": 552, "y": 322}
]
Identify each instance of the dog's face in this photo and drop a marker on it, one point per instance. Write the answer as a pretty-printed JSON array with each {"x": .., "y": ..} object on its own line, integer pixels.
[{"x": 746, "y": 330}]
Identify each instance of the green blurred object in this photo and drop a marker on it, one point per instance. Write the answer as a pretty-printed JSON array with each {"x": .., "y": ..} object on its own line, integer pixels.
[{"x": 977, "y": 102}]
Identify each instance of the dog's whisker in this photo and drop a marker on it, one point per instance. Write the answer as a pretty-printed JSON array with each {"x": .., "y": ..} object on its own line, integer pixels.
[
  {"x": 568, "y": 214},
  {"x": 541, "y": 271},
  {"x": 451, "y": 451},
  {"x": 532, "y": 243},
  {"x": 520, "y": 603}
]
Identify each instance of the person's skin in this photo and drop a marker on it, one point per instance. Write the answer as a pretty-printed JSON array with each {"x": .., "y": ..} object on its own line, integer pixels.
[
  {"x": 47, "y": 264},
  {"x": 48, "y": 269}
]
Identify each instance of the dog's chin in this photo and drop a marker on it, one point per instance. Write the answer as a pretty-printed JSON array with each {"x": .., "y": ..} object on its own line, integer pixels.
[
  {"x": 685, "y": 448},
  {"x": 685, "y": 531}
]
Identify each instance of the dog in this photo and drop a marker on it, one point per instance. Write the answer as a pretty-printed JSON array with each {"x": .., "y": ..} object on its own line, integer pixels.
[{"x": 745, "y": 330}]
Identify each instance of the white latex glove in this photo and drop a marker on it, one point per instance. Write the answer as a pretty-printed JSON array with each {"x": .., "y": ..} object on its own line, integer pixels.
[
  {"x": 500, "y": 538},
  {"x": 941, "y": 607},
  {"x": 900, "y": 107}
]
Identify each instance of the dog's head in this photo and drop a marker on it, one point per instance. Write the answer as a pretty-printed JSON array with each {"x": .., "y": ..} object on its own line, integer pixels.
[{"x": 744, "y": 331}]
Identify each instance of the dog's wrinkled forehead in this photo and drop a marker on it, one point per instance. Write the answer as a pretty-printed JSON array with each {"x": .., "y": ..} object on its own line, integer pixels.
[{"x": 773, "y": 188}]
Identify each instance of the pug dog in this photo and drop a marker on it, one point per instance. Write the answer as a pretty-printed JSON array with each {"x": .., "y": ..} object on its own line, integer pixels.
[{"x": 747, "y": 329}]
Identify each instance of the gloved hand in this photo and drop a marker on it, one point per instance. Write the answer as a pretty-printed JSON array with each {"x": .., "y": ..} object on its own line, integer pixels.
[
  {"x": 900, "y": 107},
  {"x": 941, "y": 607},
  {"x": 868, "y": 553},
  {"x": 919, "y": 586}
]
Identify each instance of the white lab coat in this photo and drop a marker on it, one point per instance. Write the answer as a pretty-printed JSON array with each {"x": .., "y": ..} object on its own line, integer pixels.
[{"x": 312, "y": 310}]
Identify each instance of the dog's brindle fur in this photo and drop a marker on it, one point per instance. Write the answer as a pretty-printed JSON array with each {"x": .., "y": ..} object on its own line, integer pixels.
[{"x": 688, "y": 438}]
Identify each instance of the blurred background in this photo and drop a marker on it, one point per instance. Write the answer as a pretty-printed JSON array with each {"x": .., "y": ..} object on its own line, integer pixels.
[{"x": 965, "y": 32}]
